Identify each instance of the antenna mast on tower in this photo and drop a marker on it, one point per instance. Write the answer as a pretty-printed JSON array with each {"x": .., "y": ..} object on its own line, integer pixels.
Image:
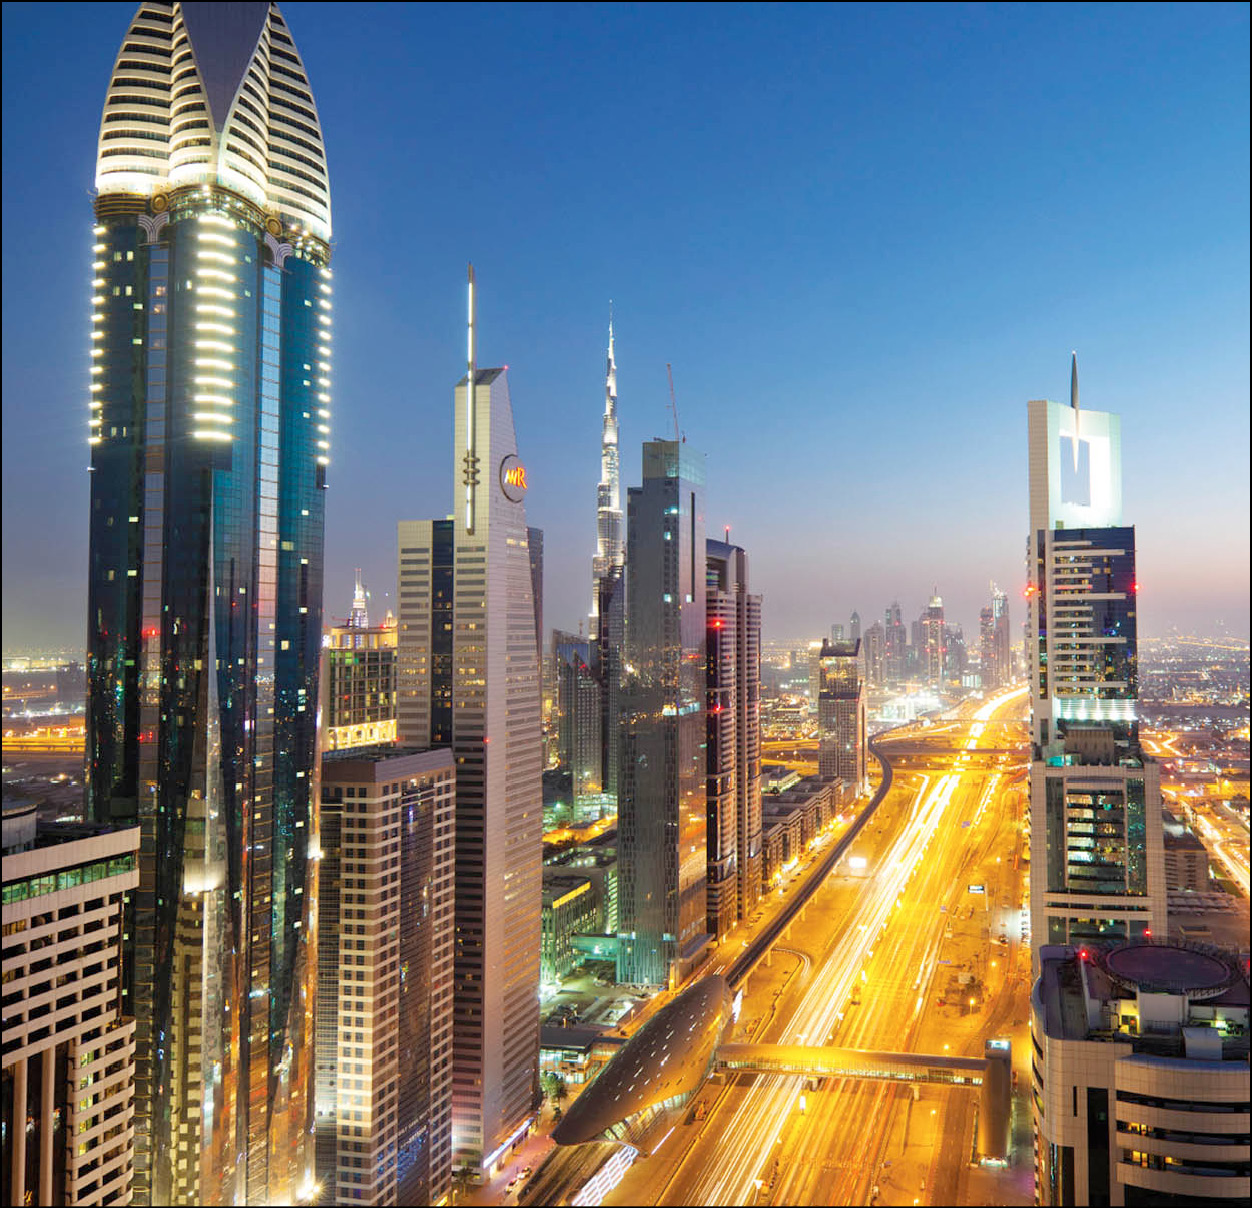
[{"x": 673, "y": 402}]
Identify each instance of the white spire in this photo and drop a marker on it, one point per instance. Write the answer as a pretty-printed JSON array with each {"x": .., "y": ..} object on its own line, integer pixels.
[
  {"x": 609, "y": 548},
  {"x": 359, "y": 618}
]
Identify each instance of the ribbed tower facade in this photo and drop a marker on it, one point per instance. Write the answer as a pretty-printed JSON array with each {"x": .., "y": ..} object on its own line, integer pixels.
[
  {"x": 610, "y": 548},
  {"x": 209, "y": 431},
  {"x": 469, "y": 680}
]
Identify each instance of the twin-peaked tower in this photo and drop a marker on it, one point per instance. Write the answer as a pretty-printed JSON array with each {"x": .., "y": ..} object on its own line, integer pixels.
[
  {"x": 469, "y": 680},
  {"x": 209, "y": 433}
]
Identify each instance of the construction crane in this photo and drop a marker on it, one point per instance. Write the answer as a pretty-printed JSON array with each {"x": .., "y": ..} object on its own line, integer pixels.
[{"x": 673, "y": 402}]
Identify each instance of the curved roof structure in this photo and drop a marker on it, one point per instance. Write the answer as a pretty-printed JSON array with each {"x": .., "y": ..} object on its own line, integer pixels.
[
  {"x": 668, "y": 1058},
  {"x": 215, "y": 94}
]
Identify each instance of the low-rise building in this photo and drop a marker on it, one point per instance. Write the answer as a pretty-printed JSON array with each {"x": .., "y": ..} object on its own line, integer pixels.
[
  {"x": 1186, "y": 858},
  {"x": 572, "y": 905}
]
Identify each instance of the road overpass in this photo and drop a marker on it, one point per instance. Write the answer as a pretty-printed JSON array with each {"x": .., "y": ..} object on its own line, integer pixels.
[{"x": 990, "y": 1074}]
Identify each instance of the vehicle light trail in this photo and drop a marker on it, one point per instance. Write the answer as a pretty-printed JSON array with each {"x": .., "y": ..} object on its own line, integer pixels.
[{"x": 749, "y": 1137}]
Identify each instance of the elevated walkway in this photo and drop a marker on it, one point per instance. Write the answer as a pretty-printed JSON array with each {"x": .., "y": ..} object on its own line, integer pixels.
[
  {"x": 990, "y": 1074},
  {"x": 827, "y": 1061}
]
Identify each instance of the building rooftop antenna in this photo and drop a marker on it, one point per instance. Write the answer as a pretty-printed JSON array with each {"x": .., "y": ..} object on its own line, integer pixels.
[{"x": 673, "y": 401}]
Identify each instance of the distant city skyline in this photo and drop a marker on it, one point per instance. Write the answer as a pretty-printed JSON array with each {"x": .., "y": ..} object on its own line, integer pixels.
[{"x": 863, "y": 237}]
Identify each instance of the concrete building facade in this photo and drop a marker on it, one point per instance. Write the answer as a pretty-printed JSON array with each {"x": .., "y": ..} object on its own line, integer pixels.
[
  {"x": 385, "y": 969},
  {"x": 1140, "y": 1076},
  {"x": 69, "y": 1050}
]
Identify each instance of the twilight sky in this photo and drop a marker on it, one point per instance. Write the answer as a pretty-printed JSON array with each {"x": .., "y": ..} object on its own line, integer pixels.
[{"x": 863, "y": 236}]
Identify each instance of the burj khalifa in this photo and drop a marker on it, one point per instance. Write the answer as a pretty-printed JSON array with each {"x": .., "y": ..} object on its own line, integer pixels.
[{"x": 610, "y": 551}]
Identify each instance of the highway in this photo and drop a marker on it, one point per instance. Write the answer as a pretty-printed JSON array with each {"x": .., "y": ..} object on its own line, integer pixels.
[
  {"x": 799, "y": 899},
  {"x": 881, "y": 940}
]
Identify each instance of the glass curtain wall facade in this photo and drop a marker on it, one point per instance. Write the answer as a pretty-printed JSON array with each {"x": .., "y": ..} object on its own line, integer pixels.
[
  {"x": 580, "y": 738},
  {"x": 209, "y": 432},
  {"x": 662, "y": 827},
  {"x": 841, "y": 715},
  {"x": 1097, "y": 842}
]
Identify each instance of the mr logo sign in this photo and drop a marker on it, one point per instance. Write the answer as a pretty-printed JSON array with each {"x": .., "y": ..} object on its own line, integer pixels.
[{"x": 513, "y": 478}]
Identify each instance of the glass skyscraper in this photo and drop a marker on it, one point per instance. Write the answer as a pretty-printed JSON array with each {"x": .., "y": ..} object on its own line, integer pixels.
[
  {"x": 1097, "y": 846},
  {"x": 662, "y": 738},
  {"x": 210, "y": 421}
]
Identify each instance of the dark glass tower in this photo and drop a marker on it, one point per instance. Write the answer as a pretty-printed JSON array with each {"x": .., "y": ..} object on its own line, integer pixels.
[
  {"x": 661, "y": 808},
  {"x": 210, "y": 421}
]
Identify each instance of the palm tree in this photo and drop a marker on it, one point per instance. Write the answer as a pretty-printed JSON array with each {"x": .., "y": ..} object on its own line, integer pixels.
[{"x": 462, "y": 1181}]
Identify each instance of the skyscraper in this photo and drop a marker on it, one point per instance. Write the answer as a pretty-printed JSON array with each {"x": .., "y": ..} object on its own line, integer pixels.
[
  {"x": 895, "y": 644},
  {"x": 359, "y": 680},
  {"x": 579, "y": 731},
  {"x": 385, "y": 967},
  {"x": 661, "y": 784},
  {"x": 841, "y": 715},
  {"x": 534, "y": 546},
  {"x": 469, "y": 679},
  {"x": 210, "y": 422},
  {"x": 934, "y": 647},
  {"x": 1097, "y": 847},
  {"x": 734, "y": 737},
  {"x": 993, "y": 633},
  {"x": 610, "y": 548},
  {"x": 874, "y": 653}
]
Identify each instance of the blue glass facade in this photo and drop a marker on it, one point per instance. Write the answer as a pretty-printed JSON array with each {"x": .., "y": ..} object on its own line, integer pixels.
[
  {"x": 211, "y": 411},
  {"x": 662, "y": 822}
]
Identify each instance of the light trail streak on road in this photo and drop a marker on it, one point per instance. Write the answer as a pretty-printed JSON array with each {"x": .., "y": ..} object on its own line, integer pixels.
[
  {"x": 748, "y": 1138},
  {"x": 1233, "y": 859}
]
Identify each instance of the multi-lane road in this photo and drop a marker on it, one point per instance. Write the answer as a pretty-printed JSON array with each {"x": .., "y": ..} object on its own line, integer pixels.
[{"x": 875, "y": 957}]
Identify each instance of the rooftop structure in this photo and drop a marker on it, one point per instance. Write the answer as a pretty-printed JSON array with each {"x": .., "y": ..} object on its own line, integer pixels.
[{"x": 1140, "y": 1074}]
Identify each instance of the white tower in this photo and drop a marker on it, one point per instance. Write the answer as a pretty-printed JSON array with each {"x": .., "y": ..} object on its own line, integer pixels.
[
  {"x": 610, "y": 551},
  {"x": 469, "y": 679}
]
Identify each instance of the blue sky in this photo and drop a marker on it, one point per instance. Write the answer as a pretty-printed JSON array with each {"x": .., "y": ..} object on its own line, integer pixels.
[{"x": 864, "y": 237}]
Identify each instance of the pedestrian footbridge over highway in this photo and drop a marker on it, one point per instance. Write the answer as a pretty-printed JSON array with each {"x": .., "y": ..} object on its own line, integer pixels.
[{"x": 990, "y": 1074}]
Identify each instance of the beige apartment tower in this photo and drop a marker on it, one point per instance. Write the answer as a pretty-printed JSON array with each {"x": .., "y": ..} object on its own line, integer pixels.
[
  {"x": 69, "y": 1052},
  {"x": 384, "y": 1003}
]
